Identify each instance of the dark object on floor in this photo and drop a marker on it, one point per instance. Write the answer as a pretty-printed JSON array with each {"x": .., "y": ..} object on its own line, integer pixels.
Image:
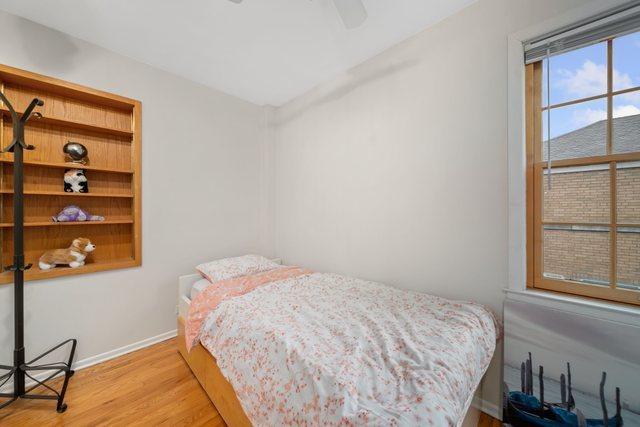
[{"x": 522, "y": 408}]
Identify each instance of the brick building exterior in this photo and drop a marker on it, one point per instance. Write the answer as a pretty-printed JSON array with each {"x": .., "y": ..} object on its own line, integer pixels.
[{"x": 582, "y": 195}]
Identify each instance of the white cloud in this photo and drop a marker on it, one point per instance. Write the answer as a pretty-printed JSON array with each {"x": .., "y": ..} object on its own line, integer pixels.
[
  {"x": 633, "y": 97},
  {"x": 588, "y": 80},
  {"x": 582, "y": 118},
  {"x": 626, "y": 110},
  {"x": 591, "y": 79},
  {"x": 621, "y": 80}
]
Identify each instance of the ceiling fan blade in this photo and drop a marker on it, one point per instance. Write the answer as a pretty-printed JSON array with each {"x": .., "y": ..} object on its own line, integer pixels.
[{"x": 352, "y": 12}]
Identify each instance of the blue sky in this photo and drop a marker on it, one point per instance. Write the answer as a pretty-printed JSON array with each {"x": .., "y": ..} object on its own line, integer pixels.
[{"x": 583, "y": 73}]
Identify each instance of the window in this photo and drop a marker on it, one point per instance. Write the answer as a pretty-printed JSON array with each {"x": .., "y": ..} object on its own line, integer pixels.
[{"x": 583, "y": 170}]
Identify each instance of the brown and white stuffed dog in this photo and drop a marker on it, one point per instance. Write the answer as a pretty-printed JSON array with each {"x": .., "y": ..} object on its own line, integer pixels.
[{"x": 73, "y": 256}]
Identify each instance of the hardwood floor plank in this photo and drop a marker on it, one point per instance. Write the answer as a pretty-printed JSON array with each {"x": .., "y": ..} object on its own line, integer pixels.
[
  {"x": 488, "y": 421},
  {"x": 152, "y": 386}
]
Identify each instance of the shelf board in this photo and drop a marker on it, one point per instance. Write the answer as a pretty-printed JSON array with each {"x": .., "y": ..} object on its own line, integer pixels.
[
  {"x": 64, "y": 88},
  {"x": 36, "y": 274},
  {"x": 64, "y": 224},
  {"x": 62, "y": 193},
  {"x": 68, "y": 166},
  {"x": 72, "y": 124}
]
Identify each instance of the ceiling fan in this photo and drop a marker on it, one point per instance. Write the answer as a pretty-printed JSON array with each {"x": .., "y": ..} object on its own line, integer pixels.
[{"x": 352, "y": 12}]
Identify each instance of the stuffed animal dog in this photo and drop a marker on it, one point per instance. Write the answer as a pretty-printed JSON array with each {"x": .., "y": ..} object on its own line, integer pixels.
[{"x": 73, "y": 256}]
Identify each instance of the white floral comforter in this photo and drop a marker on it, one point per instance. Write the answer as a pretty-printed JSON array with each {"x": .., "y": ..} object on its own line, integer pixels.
[{"x": 323, "y": 349}]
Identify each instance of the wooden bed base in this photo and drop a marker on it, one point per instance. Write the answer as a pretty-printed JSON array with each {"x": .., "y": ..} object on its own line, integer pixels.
[{"x": 204, "y": 367}]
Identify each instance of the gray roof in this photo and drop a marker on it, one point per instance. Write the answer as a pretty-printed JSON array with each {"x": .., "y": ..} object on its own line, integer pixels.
[{"x": 591, "y": 140}]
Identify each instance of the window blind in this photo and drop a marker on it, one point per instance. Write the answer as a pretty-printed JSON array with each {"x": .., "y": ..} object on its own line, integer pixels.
[{"x": 615, "y": 22}]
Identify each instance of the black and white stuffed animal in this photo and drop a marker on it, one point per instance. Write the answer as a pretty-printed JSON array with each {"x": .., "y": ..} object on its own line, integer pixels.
[{"x": 75, "y": 181}]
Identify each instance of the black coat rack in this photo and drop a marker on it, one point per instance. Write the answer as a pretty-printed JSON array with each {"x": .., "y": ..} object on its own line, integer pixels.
[{"x": 21, "y": 370}]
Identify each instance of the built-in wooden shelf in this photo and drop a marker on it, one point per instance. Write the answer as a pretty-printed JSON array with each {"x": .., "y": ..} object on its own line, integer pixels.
[
  {"x": 72, "y": 124},
  {"x": 70, "y": 223},
  {"x": 16, "y": 76},
  {"x": 62, "y": 193},
  {"x": 34, "y": 273},
  {"x": 108, "y": 126},
  {"x": 69, "y": 166}
]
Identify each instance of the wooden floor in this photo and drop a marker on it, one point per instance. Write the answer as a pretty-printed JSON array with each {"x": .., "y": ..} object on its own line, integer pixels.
[
  {"x": 488, "y": 421},
  {"x": 153, "y": 386}
]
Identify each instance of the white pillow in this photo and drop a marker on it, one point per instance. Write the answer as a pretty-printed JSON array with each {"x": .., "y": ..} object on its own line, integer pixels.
[
  {"x": 198, "y": 287},
  {"x": 230, "y": 268}
]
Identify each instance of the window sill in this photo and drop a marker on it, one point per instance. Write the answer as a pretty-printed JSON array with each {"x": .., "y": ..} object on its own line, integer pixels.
[{"x": 584, "y": 306}]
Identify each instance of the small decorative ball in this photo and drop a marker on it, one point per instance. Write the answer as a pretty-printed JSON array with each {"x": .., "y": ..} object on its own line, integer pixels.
[{"x": 75, "y": 150}]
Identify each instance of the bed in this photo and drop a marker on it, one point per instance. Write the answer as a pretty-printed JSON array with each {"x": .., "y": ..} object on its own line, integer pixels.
[{"x": 285, "y": 353}]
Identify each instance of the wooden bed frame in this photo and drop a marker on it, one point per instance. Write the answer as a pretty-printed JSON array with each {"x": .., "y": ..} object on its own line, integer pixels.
[{"x": 206, "y": 370}]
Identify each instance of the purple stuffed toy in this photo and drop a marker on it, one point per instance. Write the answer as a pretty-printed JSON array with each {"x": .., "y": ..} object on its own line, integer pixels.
[{"x": 73, "y": 213}]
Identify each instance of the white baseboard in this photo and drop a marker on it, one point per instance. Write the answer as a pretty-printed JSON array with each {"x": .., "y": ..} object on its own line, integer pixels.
[
  {"x": 103, "y": 357},
  {"x": 112, "y": 354},
  {"x": 487, "y": 407}
]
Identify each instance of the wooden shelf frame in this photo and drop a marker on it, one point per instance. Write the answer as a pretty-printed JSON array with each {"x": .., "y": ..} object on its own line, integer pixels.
[
  {"x": 112, "y": 124},
  {"x": 71, "y": 90},
  {"x": 36, "y": 274},
  {"x": 69, "y": 166},
  {"x": 70, "y": 223},
  {"x": 35, "y": 121},
  {"x": 64, "y": 194}
]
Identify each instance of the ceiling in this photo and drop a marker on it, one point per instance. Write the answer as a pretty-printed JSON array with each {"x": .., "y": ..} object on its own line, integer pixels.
[{"x": 263, "y": 51}]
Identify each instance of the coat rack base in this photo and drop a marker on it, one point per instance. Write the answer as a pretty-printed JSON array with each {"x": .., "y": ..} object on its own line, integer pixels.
[{"x": 30, "y": 370}]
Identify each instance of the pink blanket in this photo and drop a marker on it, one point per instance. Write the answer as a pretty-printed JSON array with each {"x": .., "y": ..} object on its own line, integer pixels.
[{"x": 209, "y": 299}]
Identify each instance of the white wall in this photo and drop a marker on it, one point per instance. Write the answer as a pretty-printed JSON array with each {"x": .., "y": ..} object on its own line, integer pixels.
[
  {"x": 397, "y": 170},
  {"x": 202, "y": 166}
]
